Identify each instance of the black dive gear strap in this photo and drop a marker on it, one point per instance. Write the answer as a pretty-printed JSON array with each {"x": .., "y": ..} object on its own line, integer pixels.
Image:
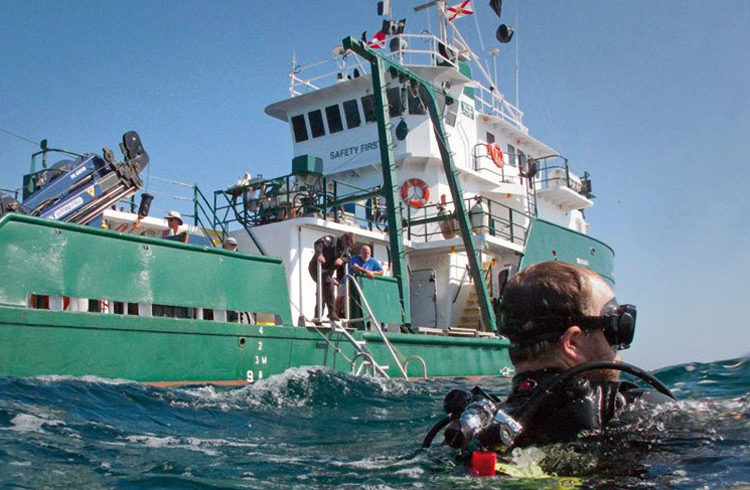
[
  {"x": 477, "y": 415},
  {"x": 616, "y": 321}
]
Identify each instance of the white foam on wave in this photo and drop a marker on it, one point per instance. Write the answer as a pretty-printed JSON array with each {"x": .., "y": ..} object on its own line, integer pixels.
[
  {"x": 24, "y": 422},
  {"x": 205, "y": 446},
  {"x": 415, "y": 472},
  {"x": 294, "y": 388},
  {"x": 57, "y": 378}
]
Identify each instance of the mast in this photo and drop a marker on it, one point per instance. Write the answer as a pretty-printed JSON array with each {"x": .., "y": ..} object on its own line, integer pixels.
[{"x": 390, "y": 189}]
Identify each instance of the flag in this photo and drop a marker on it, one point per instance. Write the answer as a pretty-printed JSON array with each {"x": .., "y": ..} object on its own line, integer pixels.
[
  {"x": 378, "y": 40},
  {"x": 384, "y": 8},
  {"x": 459, "y": 10},
  {"x": 497, "y": 6},
  {"x": 393, "y": 27}
]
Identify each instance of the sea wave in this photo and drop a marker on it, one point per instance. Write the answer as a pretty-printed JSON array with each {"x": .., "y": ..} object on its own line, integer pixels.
[{"x": 313, "y": 427}]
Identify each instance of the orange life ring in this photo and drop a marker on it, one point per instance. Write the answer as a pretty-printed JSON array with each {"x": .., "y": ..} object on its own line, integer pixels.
[
  {"x": 414, "y": 201},
  {"x": 494, "y": 152}
]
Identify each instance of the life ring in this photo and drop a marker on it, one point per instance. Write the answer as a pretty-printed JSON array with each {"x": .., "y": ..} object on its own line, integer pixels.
[
  {"x": 496, "y": 154},
  {"x": 415, "y": 202}
]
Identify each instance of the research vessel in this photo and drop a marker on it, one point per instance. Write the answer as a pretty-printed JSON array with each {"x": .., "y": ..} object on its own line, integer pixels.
[{"x": 403, "y": 139}]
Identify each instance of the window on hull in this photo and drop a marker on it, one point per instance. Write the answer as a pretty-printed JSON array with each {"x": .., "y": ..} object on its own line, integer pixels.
[{"x": 122, "y": 308}]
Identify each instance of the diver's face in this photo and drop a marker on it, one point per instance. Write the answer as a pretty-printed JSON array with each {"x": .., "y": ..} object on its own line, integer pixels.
[{"x": 595, "y": 346}]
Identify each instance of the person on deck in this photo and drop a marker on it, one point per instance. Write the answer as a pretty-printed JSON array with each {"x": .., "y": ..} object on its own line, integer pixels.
[
  {"x": 174, "y": 224},
  {"x": 230, "y": 244},
  {"x": 365, "y": 263},
  {"x": 361, "y": 264},
  {"x": 331, "y": 254},
  {"x": 557, "y": 316}
]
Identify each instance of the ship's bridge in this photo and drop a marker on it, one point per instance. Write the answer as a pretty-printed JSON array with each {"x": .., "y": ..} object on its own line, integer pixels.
[{"x": 332, "y": 115}]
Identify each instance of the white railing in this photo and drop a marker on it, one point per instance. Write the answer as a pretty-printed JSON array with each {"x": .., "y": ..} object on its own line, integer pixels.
[{"x": 412, "y": 50}]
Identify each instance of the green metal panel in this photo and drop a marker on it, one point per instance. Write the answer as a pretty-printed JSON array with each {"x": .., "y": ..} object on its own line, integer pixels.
[
  {"x": 465, "y": 69},
  {"x": 444, "y": 356},
  {"x": 307, "y": 164},
  {"x": 547, "y": 241},
  {"x": 54, "y": 258},
  {"x": 382, "y": 296}
]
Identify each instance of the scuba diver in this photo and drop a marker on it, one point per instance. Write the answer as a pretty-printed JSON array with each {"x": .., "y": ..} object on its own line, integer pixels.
[{"x": 565, "y": 329}]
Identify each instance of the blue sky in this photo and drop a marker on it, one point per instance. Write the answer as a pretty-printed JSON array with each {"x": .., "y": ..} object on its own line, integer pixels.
[{"x": 651, "y": 97}]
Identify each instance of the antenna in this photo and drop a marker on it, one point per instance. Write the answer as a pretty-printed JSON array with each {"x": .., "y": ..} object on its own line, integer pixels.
[{"x": 517, "y": 69}]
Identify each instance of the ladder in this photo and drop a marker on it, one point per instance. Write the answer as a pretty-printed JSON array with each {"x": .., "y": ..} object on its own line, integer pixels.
[{"x": 471, "y": 316}]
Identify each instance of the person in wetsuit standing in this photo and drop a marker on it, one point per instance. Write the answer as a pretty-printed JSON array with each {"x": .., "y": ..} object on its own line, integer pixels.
[{"x": 331, "y": 254}]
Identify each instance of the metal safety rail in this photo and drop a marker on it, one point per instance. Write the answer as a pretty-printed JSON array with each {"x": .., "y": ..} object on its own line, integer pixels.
[
  {"x": 411, "y": 50},
  {"x": 553, "y": 172},
  {"x": 350, "y": 279},
  {"x": 498, "y": 220},
  {"x": 359, "y": 346}
]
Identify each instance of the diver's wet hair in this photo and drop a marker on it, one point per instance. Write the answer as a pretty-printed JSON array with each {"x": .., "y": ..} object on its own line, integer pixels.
[{"x": 549, "y": 289}]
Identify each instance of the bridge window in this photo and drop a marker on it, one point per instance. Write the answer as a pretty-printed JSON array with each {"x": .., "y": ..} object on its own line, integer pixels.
[
  {"x": 316, "y": 123},
  {"x": 490, "y": 138},
  {"x": 333, "y": 115},
  {"x": 395, "y": 102},
  {"x": 416, "y": 106},
  {"x": 351, "y": 112},
  {"x": 512, "y": 155},
  {"x": 299, "y": 128},
  {"x": 368, "y": 106}
]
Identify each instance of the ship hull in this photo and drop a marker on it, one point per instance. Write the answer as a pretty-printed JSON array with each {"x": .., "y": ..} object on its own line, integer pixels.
[{"x": 168, "y": 351}]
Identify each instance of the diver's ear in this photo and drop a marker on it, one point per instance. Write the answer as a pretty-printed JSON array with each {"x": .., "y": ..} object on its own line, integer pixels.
[{"x": 571, "y": 346}]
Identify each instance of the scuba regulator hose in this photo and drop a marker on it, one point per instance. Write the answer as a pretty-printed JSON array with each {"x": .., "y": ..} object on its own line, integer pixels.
[{"x": 537, "y": 399}]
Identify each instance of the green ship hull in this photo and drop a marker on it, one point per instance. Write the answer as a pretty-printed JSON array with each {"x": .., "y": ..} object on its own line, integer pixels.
[
  {"x": 48, "y": 259},
  {"x": 167, "y": 351}
]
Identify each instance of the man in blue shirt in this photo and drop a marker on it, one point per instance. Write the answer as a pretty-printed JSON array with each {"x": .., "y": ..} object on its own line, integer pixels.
[
  {"x": 361, "y": 264},
  {"x": 365, "y": 263}
]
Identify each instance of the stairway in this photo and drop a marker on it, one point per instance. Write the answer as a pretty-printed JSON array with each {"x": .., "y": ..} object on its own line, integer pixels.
[{"x": 471, "y": 316}]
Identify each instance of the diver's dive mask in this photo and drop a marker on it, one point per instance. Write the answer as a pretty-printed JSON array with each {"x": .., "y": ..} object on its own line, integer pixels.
[{"x": 616, "y": 321}]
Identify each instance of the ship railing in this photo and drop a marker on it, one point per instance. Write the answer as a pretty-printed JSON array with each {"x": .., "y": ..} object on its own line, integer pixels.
[
  {"x": 412, "y": 50},
  {"x": 205, "y": 216},
  {"x": 492, "y": 102},
  {"x": 437, "y": 222},
  {"x": 266, "y": 201},
  {"x": 509, "y": 173},
  {"x": 553, "y": 172},
  {"x": 351, "y": 281},
  {"x": 10, "y": 193}
]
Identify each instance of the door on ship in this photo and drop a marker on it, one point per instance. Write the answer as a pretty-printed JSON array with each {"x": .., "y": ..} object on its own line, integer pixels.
[{"x": 423, "y": 296}]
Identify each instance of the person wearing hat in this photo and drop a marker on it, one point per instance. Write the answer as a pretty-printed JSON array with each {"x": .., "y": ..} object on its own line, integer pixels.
[
  {"x": 173, "y": 232},
  {"x": 230, "y": 243}
]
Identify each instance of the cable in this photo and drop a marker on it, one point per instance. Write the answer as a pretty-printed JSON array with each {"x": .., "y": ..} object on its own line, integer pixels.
[{"x": 35, "y": 143}]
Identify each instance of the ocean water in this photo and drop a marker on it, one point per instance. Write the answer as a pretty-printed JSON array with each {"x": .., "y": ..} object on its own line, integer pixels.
[{"x": 315, "y": 428}]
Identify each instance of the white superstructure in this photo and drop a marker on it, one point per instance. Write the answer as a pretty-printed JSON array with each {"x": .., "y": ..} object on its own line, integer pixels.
[{"x": 331, "y": 115}]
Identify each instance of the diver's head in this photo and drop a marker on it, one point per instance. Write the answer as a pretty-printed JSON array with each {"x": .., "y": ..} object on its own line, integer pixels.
[{"x": 559, "y": 315}]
